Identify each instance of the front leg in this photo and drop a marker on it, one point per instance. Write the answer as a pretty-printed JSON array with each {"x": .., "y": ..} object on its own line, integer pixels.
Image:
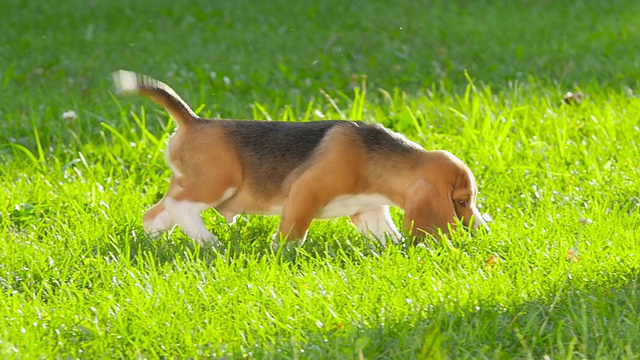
[
  {"x": 294, "y": 224},
  {"x": 298, "y": 210},
  {"x": 377, "y": 222}
]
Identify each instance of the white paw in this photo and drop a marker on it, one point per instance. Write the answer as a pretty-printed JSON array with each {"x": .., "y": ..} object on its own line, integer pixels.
[
  {"x": 162, "y": 222},
  {"x": 230, "y": 218},
  {"x": 276, "y": 241},
  {"x": 206, "y": 238},
  {"x": 396, "y": 237}
]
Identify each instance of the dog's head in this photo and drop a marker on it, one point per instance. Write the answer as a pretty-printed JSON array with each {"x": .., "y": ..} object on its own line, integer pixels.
[{"x": 444, "y": 191}]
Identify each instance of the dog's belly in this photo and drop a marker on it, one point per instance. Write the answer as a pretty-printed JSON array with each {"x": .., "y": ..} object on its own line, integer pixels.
[
  {"x": 343, "y": 205},
  {"x": 346, "y": 205}
]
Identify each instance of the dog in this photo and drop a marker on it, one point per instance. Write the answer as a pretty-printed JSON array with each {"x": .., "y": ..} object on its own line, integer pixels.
[{"x": 302, "y": 171}]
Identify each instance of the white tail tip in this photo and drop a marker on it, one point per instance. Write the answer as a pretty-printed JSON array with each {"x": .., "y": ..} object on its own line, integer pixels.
[{"x": 125, "y": 81}]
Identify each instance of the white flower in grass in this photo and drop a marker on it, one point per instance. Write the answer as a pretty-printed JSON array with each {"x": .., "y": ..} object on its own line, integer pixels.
[{"x": 69, "y": 115}]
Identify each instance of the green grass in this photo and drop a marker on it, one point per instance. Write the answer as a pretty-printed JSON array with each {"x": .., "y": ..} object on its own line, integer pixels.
[{"x": 78, "y": 277}]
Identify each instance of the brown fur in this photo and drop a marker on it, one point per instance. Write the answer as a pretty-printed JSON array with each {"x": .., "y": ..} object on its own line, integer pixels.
[{"x": 301, "y": 167}]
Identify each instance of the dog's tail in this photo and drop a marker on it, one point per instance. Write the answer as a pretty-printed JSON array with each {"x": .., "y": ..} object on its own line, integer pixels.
[{"x": 128, "y": 82}]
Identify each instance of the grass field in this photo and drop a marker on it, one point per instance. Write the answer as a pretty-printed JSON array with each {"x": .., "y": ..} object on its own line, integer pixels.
[{"x": 557, "y": 277}]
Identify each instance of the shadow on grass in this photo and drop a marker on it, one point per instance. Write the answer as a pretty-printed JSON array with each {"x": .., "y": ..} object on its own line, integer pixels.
[{"x": 601, "y": 322}]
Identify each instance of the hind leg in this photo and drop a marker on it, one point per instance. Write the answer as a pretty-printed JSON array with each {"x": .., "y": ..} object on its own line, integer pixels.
[
  {"x": 184, "y": 213},
  {"x": 169, "y": 212},
  {"x": 157, "y": 219},
  {"x": 183, "y": 205},
  {"x": 187, "y": 215},
  {"x": 378, "y": 222},
  {"x": 186, "y": 204}
]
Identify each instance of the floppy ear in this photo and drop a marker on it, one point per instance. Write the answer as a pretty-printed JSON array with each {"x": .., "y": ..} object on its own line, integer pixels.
[{"x": 428, "y": 207}]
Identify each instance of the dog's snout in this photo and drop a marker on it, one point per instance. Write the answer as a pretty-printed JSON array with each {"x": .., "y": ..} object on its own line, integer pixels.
[{"x": 478, "y": 220}]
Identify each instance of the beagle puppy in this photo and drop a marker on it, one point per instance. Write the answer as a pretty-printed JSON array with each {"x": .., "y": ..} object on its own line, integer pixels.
[{"x": 302, "y": 171}]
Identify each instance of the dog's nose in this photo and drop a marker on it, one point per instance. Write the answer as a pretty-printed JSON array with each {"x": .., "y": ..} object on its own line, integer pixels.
[{"x": 479, "y": 220}]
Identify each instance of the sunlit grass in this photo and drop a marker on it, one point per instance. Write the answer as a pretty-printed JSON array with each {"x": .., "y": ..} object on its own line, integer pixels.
[{"x": 81, "y": 278}]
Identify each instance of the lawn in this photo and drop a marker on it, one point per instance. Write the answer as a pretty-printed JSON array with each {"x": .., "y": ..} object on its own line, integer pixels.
[{"x": 557, "y": 276}]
